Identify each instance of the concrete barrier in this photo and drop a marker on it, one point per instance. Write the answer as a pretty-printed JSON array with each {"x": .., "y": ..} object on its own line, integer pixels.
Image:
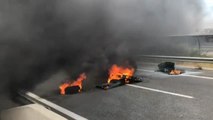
[
  {"x": 30, "y": 112},
  {"x": 190, "y": 62}
]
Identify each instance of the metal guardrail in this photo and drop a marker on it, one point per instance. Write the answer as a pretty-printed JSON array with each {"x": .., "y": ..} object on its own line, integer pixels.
[{"x": 181, "y": 58}]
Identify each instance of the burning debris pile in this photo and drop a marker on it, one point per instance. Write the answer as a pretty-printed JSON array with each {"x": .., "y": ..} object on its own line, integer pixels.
[
  {"x": 117, "y": 76},
  {"x": 169, "y": 67},
  {"x": 118, "y": 72},
  {"x": 120, "y": 75},
  {"x": 72, "y": 87}
]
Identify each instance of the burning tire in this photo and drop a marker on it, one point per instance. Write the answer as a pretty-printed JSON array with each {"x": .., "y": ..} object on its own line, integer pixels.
[
  {"x": 169, "y": 68},
  {"x": 72, "y": 87},
  {"x": 72, "y": 90},
  {"x": 166, "y": 67}
]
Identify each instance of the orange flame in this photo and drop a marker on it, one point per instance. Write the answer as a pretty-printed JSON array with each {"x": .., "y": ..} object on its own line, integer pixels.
[
  {"x": 117, "y": 72},
  {"x": 175, "y": 72},
  {"x": 78, "y": 83}
]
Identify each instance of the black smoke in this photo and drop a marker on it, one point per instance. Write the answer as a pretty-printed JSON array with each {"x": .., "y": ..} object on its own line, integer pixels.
[{"x": 39, "y": 37}]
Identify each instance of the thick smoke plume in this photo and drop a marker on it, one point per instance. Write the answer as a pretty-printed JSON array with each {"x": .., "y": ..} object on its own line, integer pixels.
[{"x": 40, "y": 37}]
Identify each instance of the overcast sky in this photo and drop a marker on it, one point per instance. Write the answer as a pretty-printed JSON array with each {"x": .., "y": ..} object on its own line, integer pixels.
[{"x": 208, "y": 20}]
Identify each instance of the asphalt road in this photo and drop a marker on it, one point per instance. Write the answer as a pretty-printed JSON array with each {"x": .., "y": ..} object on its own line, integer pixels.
[{"x": 161, "y": 101}]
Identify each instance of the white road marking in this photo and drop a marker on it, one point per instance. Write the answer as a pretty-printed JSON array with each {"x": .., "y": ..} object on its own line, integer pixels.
[
  {"x": 56, "y": 107},
  {"x": 161, "y": 91},
  {"x": 195, "y": 76},
  {"x": 190, "y": 73}
]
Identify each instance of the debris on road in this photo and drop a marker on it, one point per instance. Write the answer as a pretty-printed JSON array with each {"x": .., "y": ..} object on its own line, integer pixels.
[
  {"x": 72, "y": 87},
  {"x": 169, "y": 68},
  {"x": 120, "y": 75},
  {"x": 120, "y": 82}
]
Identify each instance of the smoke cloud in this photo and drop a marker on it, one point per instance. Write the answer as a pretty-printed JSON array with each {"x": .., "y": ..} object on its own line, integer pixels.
[{"x": 38, "y": 38}]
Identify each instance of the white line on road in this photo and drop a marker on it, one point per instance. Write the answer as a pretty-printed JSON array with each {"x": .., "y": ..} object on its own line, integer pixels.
[
  {"x": 204, "y": 77},
  {"x": 160, "y": 91},
  {"x": 56, "y": 107}
]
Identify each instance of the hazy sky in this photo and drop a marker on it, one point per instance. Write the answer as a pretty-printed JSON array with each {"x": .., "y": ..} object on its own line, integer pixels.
[{"x": 208, "y": 20}]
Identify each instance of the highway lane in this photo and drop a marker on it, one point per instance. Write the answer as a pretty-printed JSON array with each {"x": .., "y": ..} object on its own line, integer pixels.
[{"x": 130, "y": 103}]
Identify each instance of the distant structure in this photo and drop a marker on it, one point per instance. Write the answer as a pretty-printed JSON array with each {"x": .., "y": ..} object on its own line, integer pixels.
[
  {"x": 203, "y": 39},
  {"x": 207, "y": 31}
]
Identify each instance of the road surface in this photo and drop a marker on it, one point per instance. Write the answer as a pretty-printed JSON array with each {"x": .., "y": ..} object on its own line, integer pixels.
[{"x": 159, "y": 97}]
